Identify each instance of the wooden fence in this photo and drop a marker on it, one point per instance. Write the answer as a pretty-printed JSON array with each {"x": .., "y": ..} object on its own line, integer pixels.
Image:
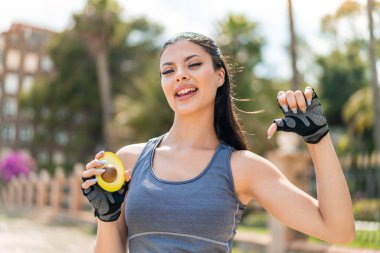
[{"x": 57, "y": 196}]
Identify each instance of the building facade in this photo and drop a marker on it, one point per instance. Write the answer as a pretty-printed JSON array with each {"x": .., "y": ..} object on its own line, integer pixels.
[{"x": 23, "y": 57}]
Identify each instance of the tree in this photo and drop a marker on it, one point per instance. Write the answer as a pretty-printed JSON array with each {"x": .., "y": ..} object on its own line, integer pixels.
[
  {"x": 357, "y": 111},
  {"x": 374, "y": 79},
  {"x": 241, "y": 42},
  {"x": 351, "y": 12},
  {"x": 66, "y": 105},
  {"x": 96, "y": 25},
  {"x": 293, "y": 48},
  {"x": 342, "y": 73},
  {"x": 141, "y": 107}
]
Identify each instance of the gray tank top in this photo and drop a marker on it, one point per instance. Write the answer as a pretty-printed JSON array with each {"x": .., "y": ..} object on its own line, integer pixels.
[{"x": 196, "y": 215}]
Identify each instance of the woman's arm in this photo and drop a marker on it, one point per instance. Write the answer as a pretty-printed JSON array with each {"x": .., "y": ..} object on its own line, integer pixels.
[
  {"x": 112, "y": 236},
  {"x": 334, "y": 198},
  {"x": 329, "y": 217}
]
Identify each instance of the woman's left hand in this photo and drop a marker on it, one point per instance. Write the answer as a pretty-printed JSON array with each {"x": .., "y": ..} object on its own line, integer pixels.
[{"x": 303, "y": 115}]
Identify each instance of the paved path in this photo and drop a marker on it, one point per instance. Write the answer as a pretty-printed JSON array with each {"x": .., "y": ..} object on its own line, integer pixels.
[{"x": 22, "y": 235}]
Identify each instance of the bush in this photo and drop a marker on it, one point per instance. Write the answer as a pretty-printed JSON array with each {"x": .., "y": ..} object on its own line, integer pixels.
[
  {"x": 15, "y": 164},
  {"x": 367, "y": 210}
]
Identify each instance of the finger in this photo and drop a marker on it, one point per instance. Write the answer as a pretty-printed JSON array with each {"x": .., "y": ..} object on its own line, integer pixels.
[
  {"x": 271, "y": 130},
  {"x": 301, "y": 101},
  {"x": 291, "y": 101},
  {"x": 308, "y": 95},
  {"x": 88, "y": 183},
  {"x": 128, "y": 175},
  {"x": 99, "y": 155},
  {"x": 92, "y": 172},
  {"x": 281, "y": 98},
  {"x": 95, "y": 164}
]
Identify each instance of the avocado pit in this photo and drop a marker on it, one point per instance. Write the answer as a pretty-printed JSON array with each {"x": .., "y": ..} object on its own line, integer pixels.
[{"x": 110, "y": 173}]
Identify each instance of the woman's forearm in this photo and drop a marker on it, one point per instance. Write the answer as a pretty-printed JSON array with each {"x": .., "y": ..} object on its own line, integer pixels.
[
  {"x": 334, "y": 199},
  {"x": 108, "y": 238}
]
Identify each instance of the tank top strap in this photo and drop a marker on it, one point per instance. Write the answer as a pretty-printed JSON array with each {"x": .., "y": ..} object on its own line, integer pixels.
[
  {"x": 146, "y": 154},
  {"x": 223, "y": 156}
]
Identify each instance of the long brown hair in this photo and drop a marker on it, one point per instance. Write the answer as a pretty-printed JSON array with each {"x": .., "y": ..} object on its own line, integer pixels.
[{"x": 226, "y": 124}]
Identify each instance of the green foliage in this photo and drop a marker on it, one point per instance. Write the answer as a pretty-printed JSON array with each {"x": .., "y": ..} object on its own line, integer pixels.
[
  {"x": 358, "y": 111},
  {"x": 240, "y": 40},
  {"x": 68, "y": 101},
  {"x": 342, "y": 73},
  {"x": 98, "y": 21},
  {"x": 367, "y": 210}
]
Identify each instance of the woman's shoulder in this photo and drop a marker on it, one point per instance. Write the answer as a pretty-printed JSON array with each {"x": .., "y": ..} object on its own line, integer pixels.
[
  {"x": 242, "y": 158},
  {"x": 129, "y": 154},
  {"x": 249, "y": 165},
  {"x": 249, "y": 170}
]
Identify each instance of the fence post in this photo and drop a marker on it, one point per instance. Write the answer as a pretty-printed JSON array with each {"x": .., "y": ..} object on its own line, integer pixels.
[
  {"x": 30, "y": 194},
  {"x": 11, "y": 194},
  {"x": 42, "y": 189},
  {"x": 294, "y": 164},
  {"x": 21, "y": 184},
  {"x": 56, "y": 190}
]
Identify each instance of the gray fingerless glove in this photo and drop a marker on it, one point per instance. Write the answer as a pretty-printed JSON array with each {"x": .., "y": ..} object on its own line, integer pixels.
[
  {"x": 311, "y": 125},
  {"x": 107, "y": 204}
]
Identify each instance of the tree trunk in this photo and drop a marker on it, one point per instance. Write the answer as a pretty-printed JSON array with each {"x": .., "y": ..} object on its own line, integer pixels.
[
  {"x": 293, "y": 48},
  {"x": 374, "y": 79},
  {"x": 104, "y": 83}
]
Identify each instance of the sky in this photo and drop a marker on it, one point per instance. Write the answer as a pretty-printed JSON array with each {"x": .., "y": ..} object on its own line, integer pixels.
[{"x": 198, "y": 16}]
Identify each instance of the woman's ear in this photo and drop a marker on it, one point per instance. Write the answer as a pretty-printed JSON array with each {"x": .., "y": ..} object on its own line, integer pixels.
[{"x": 221, "y": 76}]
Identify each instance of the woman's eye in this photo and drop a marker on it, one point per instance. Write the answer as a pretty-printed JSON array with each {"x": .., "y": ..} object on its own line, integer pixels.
[
  {"x": 195, "y": 64},
  {"x": 165, "y": 72}
]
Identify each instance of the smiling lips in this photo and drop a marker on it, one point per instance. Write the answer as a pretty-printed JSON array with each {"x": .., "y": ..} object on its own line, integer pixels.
[{"x": 185, "y": 91}]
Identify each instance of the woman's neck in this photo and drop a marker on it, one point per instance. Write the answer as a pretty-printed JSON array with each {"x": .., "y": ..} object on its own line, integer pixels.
[{"x": 192, "y": 131}]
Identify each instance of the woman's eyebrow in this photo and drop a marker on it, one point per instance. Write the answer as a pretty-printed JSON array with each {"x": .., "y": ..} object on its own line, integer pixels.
[{"x": 186, "y": 59}]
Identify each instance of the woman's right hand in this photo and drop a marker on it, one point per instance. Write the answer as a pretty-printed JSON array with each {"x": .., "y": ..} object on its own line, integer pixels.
[{"x": 107, "y": 204}]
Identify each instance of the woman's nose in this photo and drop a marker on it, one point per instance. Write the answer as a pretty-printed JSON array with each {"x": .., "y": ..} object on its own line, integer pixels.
[{"x": 182, "y": 75}]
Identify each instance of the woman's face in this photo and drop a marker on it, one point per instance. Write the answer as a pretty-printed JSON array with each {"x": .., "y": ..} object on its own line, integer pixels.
[{"x": 188, "y": 77}]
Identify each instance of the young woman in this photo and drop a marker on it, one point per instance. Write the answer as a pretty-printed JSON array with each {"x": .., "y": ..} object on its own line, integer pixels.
[{"x": 189, "y": 187}]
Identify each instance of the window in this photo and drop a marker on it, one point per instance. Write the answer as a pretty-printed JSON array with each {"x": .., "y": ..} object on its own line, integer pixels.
[
  {"x": 8, "y": 133},
  {"x": 14, "y": 39},
  {"x": 27, "y": 84},
  {"x": 61, "y": 138},
  {"x": 27, "y": 113},
  {"x": 58, "y": 157},
  {"x": 31, "y": 63},
  {"x": 11, "y": 84},
  {"x": 26, "y": 133},
  {"x": 43, "y": 157},
  {"x": 10, "y": 107},
  {"x": 46, "y": 64},
  {"x": 35, "y": 39},
  {"x": 13, "y": 59}
]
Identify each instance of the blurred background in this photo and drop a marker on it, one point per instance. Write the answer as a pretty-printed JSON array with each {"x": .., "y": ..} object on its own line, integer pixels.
[{"x": 78, "y": 76}]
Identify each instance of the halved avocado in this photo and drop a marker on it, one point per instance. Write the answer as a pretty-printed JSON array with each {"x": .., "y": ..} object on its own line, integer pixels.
[{"x": 113, "y": 178}]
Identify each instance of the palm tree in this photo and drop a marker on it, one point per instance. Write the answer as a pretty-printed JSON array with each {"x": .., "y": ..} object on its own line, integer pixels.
[
  {"x": 293, "y": 48},
  {"x": 96, "y": 26},
  {"x": 374, "y": 79}
]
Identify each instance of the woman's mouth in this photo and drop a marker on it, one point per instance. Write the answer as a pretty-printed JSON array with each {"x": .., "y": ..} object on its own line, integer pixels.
[{"x": 186, "y": 93}]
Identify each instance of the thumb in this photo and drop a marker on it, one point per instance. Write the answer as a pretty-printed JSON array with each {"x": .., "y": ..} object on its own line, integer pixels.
[{"x": 271, "y": 130}]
